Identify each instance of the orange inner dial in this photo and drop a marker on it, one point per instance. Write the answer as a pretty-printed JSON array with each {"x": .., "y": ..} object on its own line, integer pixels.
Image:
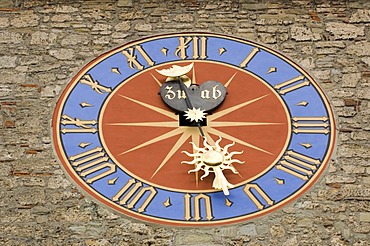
[{"x": 142, "y": 135}]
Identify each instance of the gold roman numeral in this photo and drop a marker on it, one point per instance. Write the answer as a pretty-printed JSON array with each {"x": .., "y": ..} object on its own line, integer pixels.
[
  {"x": 250, "y": 56},
  {"x": 199, "y": 45},
  {"x": 251, "y": 189},
  {"x": 92, "y": 163},
  {"x": 297, "y": 164},
  {"x": 291, "y": 85},
  {"x": 311, "y": 125},
  {"x": 195, "y": 213},
  {"x": 132, "y": 58},
  {"x": 85, "y": 126},
  {"x": 94, "y": 84},
  {"x": 132, "y": 192}
]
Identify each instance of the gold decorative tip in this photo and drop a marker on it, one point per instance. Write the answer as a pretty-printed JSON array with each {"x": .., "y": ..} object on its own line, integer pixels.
[
  {"x": 83, "y": 145},
  {"x": 280, "y": 181},
  {"x": 112, "y": 181},
  {"x": 306, "y": 145},
  {"x": 228, "y": 202},
  {"x": 115, "y": 70},
  {"x": 167, "y": 203},
  {"x": 229, "y": 81},
  {"x": 85, "y": 104},
  {"x": 303, "y": 103},
  {"x": 164, "y": 51},
  {"x": 272, "y": 70},
  {"x": 221, "y": 50}
]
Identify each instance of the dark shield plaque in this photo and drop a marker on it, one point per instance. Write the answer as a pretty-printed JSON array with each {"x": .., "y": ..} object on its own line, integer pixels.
[{"x": 207, "y": 96}]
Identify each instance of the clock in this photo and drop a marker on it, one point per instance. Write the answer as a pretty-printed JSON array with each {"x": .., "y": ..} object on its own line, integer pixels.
[{"x": 193, "y": 129}]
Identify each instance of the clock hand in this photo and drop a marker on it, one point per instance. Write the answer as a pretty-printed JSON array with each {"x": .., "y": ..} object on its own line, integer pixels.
[
  {"x": 178, "y": 71},
  {"x": 189, "y": 104},
  {"x": 214, "y": 159}
]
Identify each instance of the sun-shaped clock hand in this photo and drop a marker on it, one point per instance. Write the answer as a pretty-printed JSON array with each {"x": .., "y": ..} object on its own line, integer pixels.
[{"x": 214, "y": 159}]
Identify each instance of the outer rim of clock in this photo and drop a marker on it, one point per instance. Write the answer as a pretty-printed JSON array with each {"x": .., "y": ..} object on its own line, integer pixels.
[{"x": 142, "y": 217}]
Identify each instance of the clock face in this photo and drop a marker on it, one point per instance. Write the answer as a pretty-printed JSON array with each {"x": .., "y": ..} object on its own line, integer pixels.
[{"x": 193, "y": 129}]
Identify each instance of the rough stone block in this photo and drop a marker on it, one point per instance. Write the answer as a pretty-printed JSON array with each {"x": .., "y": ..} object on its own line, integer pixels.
[
  {"x": 277, "y": 231},
  {"x": 65, "y": 9},
  {"x": 345, "y": 31},
  {"x": 361, "y": 48},
  {"x": 350, "y": 80},
  {"x": 63, "y": 54},
  {"x": 184, "y": 18},
  {"x": 365, "y": 217},
  {"x": 364, "y": 93},
  {"x": 101, "y": 27},
  {"x": 303, "y": 33},
  {"x": 267, "y": 38},
  {"x": 193, "y": 238},
  {"x": 61, "y": 18},
  {"x": 30, "y": 197},
  {"x": 4, "y": 22},
  {"x": 6, "y": 91},
  {"x": 143, "y": 27},
  {"x": 7, "y": 4},
  {"x": 43, "y": 38},
  {"x": 353, "y": 150},
  {"x": 361, "y": 15},
  {"x": 74, "y": 39},
  {"x": 124, "y": 3},
  {"x": 229, "y": 231},
  {"x": 249, "y": 229},
  {"x": 123, "y": 26},
  {"x": 25, "y": 19},
  {"x": 8, "y": 61},
  {"x": 322, "y": 74}
]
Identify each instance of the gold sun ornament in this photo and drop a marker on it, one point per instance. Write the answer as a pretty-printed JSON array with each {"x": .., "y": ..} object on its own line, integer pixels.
[
  {"x": 195, "y": 114},
  {"x": 214, "y": 159}
]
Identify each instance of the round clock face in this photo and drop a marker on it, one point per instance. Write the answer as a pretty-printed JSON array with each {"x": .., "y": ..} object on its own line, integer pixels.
[{"x": 193, "y": 129}]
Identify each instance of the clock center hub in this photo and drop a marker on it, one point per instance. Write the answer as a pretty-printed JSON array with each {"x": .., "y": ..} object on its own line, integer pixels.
[{"x": 213, "y": 158}]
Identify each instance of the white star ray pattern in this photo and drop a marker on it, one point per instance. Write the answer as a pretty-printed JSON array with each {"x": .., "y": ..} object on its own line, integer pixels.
[
  {"x": 155, "y": 140},
  {"x": 234, "y": 139},
  {"x": 236, "y": 107},
  {"x": 231, "y": 123},
  {"x": 154, "y": 108},
  {"x": 190, "y": 132},
  {"x": 185, "y": 136},
  {"x": 151, "y": 124},
  {"x": 195, "y": 139}
]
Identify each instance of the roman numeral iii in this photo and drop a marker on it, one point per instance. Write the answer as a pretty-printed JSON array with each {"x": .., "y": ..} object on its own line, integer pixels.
[{"x": 311, "y": 125}]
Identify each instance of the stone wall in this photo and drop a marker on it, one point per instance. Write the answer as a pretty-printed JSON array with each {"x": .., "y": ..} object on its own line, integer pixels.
[{"x": 45, "y": 42}]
